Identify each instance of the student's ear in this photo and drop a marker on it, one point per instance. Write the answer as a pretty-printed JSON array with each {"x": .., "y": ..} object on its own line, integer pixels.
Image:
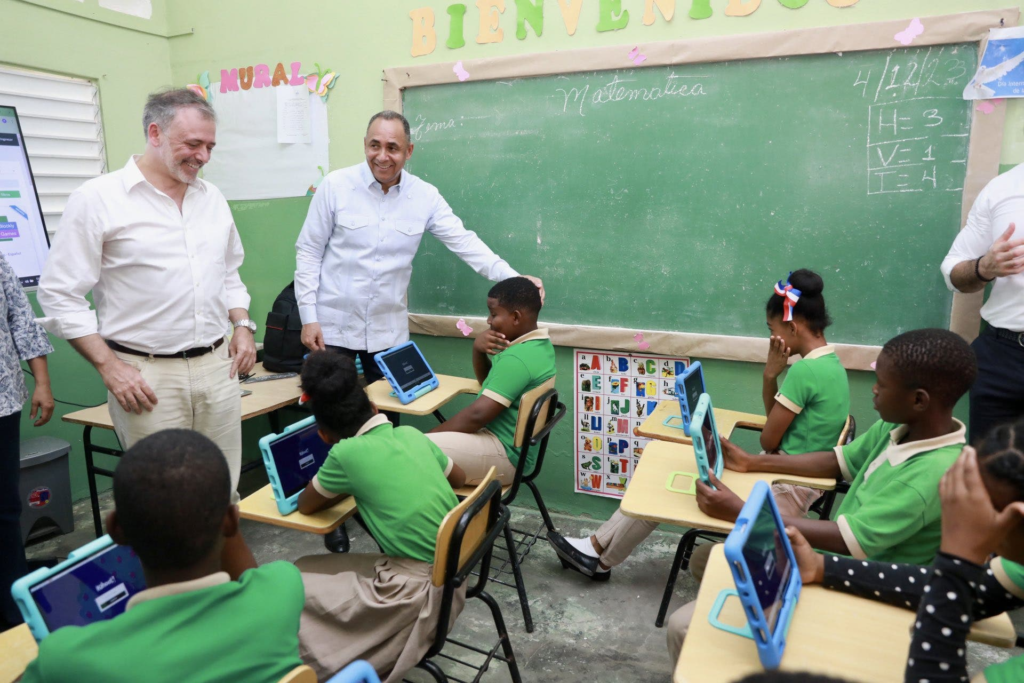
[
  {"x": 517, "y": 317},
  {"x": 114, "y": 529},
  {"x": 922, "y": 400},
  {"x": 327, "y": 438},
  {"x": 229, "y": 525}
]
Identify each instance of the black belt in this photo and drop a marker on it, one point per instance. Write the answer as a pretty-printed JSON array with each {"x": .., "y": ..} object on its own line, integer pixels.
[
  {"x": 1008, "y": 335},
  {"x": 186, "y": 354}
]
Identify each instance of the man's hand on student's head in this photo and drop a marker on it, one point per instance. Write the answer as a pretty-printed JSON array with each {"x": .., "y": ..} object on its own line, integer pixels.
[
  {"x": 719, "y": 502},
  {"x": 540, "y": 285}
]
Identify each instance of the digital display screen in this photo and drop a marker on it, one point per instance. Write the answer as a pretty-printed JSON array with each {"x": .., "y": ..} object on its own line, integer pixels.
[
  {"x": 693, "y": 384},
  {"x": 407, "y": 367},
  {"x": 23, "y": 239},
  {"x": 710, "y": 442},
  {"x": 298, "y": 457},
  {"x": 767, "y": 563},
  {"x": 95, "y": 589}
]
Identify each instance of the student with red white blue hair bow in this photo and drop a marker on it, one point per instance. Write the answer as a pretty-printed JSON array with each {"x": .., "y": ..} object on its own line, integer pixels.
[{"x": 809, "y": 411}]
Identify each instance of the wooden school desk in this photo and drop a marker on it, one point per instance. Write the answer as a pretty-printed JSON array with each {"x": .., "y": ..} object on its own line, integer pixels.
[
  {"x": 266, "y": 398},
  {"x": 427, "y": 404},
  {"x": 727, "y": 420},
  {"x": 830, "y": 632},
  {"x": 647, "y": 498},
  {"x": 261, "y": 507},
  {"x": 17, "y": 649}
]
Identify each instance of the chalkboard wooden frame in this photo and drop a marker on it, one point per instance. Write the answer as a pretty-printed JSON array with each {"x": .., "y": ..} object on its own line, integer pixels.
[{"x": 982, "y": 165}]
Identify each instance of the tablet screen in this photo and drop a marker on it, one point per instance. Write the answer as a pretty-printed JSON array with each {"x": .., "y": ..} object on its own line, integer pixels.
[
  {"x": 298, "y": 457},
  {"x": 710, "y": 442},
  {"x": 407, "y": 367},
  {"x": 693, "y": 384},
  {"x": 768, "y": 563},
  {"x": 95, "y": 589}
]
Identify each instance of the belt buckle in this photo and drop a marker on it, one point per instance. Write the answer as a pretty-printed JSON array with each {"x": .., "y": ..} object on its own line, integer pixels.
[{"x": 1020, "y": 338}]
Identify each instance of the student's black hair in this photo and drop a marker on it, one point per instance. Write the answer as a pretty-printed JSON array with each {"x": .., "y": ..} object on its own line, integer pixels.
[
  {"x": 939, "y": 361},
  {"x": 516, "y": 294},
  {"x": 339, "y": 403},
  {"x": 1001, "y": 453},
  {"x": 810, "y": 307},
  {"x": 171, "y": 490},
  {"x": 789, "y": 677}
]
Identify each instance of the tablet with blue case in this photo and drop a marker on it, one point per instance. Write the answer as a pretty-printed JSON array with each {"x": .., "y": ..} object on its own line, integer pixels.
[
  {"x": 689, "y": 387},
  {"x": 707, "y": 446},
  {"x": 292, "y": 459},
  {"x": 407, "y": 371},
  {"x": 93, "y": 584},
  {"x": 766, "y": 574}
]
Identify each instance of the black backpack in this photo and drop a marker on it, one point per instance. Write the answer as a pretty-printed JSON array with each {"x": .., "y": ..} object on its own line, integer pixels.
[{"x": 282, "y": 339}]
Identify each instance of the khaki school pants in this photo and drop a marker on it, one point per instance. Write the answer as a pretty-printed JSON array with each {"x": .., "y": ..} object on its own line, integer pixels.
[{"x": 476, "y": 454}]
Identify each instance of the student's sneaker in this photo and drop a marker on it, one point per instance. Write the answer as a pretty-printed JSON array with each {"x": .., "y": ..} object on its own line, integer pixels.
[{"x": 574, "y": 558}]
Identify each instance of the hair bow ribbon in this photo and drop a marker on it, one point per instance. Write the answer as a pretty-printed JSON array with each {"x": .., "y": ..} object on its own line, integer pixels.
[{"x": 790, "y": 296}]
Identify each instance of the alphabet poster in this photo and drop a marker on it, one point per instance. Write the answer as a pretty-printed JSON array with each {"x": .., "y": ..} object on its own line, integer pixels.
[{"x": 615, "y": 393}]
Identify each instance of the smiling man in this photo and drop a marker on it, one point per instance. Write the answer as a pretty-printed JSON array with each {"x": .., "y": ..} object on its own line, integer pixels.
[{"x": 158, "y": 248}]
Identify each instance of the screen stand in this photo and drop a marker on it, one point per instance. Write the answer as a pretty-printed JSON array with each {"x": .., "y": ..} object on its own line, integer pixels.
[
  {"x": 669, "y": 422},
  {"x": 691, "y": 490},
  {"x": 716, "y": 610}
]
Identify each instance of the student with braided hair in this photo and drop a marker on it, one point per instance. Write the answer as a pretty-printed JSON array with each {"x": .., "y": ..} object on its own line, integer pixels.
[{"x": 982, "y": 514}]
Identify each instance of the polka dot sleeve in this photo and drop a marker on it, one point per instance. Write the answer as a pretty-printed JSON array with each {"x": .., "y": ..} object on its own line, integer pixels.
[{"x": 938, "y": 644}]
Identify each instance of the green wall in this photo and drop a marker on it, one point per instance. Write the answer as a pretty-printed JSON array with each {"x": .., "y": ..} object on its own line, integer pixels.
[{"x": 359, "y": 40}]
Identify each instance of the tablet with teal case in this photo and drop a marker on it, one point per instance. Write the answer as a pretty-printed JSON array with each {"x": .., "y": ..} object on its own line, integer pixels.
[
  {"x": 766, "y": 574},
  {"x": 689, "y": 387},
  {"x": 407, "y": 371},
  {"x": 292, "y": 459},
  {"x": 707, "y": 446},
  {"x": 93, "y": 584}
]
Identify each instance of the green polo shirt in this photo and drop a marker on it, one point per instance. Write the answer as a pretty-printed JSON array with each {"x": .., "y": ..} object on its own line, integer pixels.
[
  {"x": 397, "y": 477},
  {"x": 208, "y": 630},
  {"x": 892, "y": 512},
  {"x": 527, "y": 363},
  {"x": 816, "y": 389},
  {"x": 1011, "y": 577}
]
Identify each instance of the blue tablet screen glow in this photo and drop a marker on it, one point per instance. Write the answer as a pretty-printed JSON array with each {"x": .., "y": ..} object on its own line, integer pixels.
[
  {"x": 768, "y": 564},
  {"x": 407, "y": 367},
  {"x": 298, "y": 457},
  {"x": 95, "y": 589}
]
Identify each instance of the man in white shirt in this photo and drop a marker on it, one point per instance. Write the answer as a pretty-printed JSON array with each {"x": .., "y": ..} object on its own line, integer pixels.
[
  {"x": 158, "y": 248},
  {"x": 990, "y": 248},
  {"x": 354, "y": 254}
]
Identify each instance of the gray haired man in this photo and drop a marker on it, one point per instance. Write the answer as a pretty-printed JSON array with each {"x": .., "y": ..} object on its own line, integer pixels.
[{"x": 158, "y": 248}]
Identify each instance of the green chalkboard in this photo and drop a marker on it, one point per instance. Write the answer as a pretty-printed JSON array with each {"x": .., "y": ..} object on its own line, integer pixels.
[{"x": 673, "y": 197}]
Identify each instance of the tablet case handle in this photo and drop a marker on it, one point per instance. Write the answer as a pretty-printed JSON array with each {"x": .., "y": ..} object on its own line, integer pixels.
[
  {"x": 668, "y": 422},
  {"x": 716, "y": 610},
  {"x": 691, "y": 490}
]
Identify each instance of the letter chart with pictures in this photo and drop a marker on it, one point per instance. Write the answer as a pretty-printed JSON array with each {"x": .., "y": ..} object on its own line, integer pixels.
[{"x": 615, "y": 393}]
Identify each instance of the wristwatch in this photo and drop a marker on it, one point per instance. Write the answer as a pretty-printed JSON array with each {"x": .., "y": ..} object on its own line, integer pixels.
[{"x": 248, "y": 324}]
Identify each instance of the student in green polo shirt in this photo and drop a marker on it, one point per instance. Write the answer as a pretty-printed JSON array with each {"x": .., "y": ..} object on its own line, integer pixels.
[
  {"x": 381, "y": 607},
  {"x": 510, "y": 358},
  {"x": 808, "y": 412},
  {"x": 892, "y": 511},
  {"x": 172, "y": 492},
  {"x": 982, "y": 498}
]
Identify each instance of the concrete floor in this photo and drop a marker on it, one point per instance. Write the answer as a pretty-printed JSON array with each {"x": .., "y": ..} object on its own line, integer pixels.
[{"x": 584, "y": 631}]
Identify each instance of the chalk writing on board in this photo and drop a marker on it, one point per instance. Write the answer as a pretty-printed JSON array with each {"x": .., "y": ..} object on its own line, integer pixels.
[
  {"x": 420, "y": 126},
  {"x": 620, "y": 90},
  {"x": 917, "y": 137}
]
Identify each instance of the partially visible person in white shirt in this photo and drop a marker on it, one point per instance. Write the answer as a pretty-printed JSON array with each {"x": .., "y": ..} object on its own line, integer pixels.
[
  {"x": 354, "y": 254},
  {"x": 158, "y": 248},
  {"x": 990, "y": 248}
]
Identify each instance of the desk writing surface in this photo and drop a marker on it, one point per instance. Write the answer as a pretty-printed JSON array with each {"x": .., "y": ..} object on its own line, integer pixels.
[
  {"x": 266, "y": 397},
  {"x": 448, "y": 388},
  {"x": 17, "y": 649},
  {"x": 647, "y": 498},
  {"x": 261, "y": 507},
  {"x": 830, "y": 632},
  {"x": 728, "y": 420}
]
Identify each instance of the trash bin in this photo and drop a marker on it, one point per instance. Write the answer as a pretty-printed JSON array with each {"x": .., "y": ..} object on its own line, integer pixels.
[{"x": 45, "y": 488}]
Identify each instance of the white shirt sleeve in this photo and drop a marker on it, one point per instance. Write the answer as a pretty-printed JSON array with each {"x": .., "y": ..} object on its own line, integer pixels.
[
  {"x": 71, "y": 271},
  {"x": 465, "y": 244},
  {"x": 237, "y": 294},
  {"x": 309, "y": 251},
  {"x": 973, "y": 241}
]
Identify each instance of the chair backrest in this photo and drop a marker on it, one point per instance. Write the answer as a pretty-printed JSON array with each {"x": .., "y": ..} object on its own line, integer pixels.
[
  {"x": 526, "y": 404},
  {"x": 358, "y": 671},
  {"x": 300, "y": 674},
  {"x": 849, "y": 431},
  {"x": 476, "y": 531}
]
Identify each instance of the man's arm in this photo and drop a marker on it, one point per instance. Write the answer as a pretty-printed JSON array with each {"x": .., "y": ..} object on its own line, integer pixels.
[
  {"x": 1005, "y": 257},
  {"x": 243, "y": 345},
  {"x": 447, "y": 227},
  {"x": 309, "y": 258},
  {"x": 122, "y": 380}
]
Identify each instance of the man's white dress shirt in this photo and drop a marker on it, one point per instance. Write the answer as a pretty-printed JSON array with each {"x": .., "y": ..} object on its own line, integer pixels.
[
  {"x": 163, "y": 280},
  {"x": 354, "y": 255},
  {"x": 998, "y": 205}
]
